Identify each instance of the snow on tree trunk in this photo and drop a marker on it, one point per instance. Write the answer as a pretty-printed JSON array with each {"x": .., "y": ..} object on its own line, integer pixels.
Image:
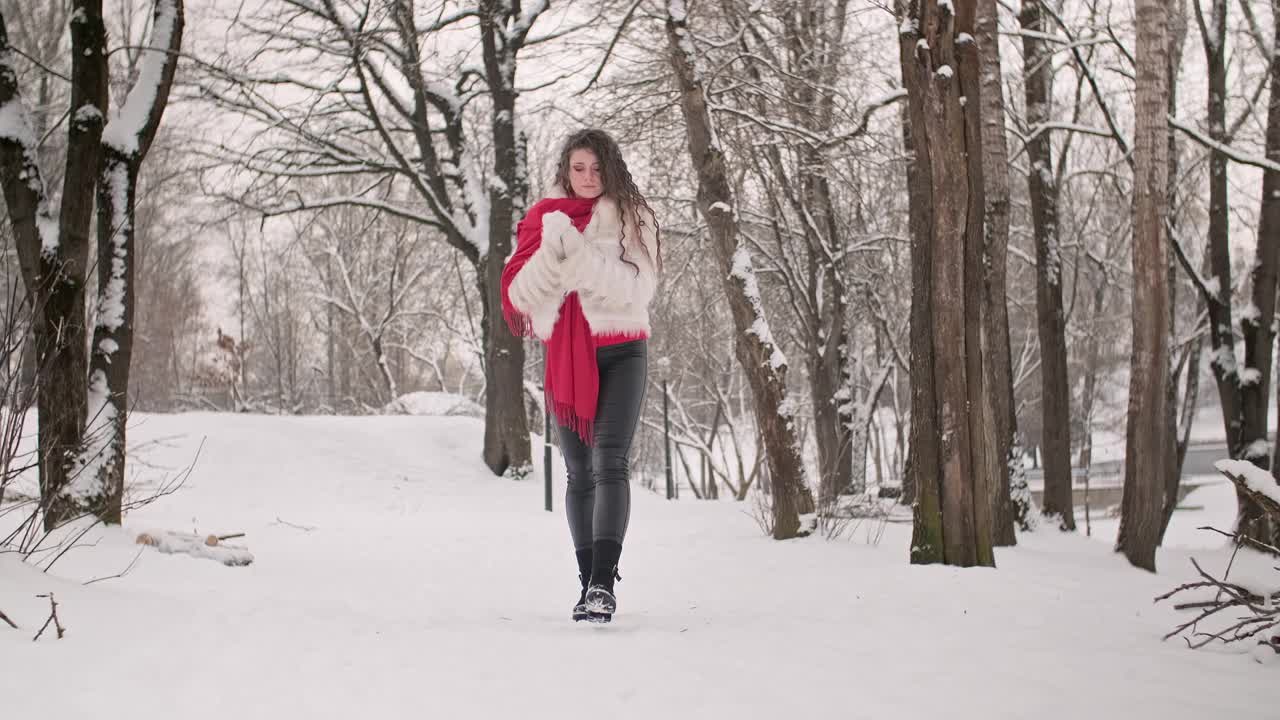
[
  {"x": 1055, "y": 397},
  {"x": 1146, "y": 453},
  {"x": 761, "y": 359},
  {"x": 941, "y": 66}
]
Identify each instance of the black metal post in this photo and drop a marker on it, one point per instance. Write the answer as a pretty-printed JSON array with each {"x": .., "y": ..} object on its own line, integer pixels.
[
  {"x": 546, "y": 456},
  {"x": 666, "y": 432},
  {"x": 546, "y": 442}
]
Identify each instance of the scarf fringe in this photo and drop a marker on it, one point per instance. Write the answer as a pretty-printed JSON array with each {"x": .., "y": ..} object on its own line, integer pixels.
[
  {"x": 521, "y": 325},
  {"x": 583, "y": 427}
]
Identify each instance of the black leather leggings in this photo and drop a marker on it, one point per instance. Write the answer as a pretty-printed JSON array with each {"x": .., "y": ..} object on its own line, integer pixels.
[{"x": 598, "y": 496}]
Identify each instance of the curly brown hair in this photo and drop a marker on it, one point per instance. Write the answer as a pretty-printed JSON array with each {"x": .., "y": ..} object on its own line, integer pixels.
[{"x": 617, "y": 185}]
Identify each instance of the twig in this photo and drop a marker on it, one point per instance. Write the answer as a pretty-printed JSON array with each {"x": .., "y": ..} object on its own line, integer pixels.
[
  {"x": 7, "y": 620},
  {"x": 230, "y": 537},
  {"x": 1263, "y": 617},
  {"x": 1194, "y": 605},
  {"x": 122, "y": 573},
  {"x": 303, "y": 528},
  {"x": 1188, "y": 586},
  {"x": 53, "y": 617},
  {"x": 1257, "y": 544}
]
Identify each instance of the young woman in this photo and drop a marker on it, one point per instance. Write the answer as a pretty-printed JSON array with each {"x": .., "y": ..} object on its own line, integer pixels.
[{"x": 581, "y": 279}]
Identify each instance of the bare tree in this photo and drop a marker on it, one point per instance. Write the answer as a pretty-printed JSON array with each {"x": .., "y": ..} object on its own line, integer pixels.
[
  {"x": 82, "y": 426},
  {"x": 1243, "y": 392},
  {"x": 370, "y": 269},
  {"x": 758, "y": 353},
  {"x": 1146, "y": 454},
  {"x": 169, "y": 319},
  {"x": 381, "y": 108}
]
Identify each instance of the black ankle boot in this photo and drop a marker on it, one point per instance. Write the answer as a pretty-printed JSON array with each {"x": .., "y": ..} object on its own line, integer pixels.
[
  {"x": 600, "y": 598},
  {"x": 584, "y": 575}
]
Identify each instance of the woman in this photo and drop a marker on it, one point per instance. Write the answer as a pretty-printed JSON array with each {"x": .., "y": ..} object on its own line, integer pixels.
[{"x": 581, "y": 279}]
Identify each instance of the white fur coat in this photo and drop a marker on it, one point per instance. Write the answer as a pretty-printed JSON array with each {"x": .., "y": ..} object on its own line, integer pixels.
[{"x": 615, "y": 297}]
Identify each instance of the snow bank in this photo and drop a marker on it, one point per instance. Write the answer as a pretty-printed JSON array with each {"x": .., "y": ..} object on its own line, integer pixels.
[{"x": 433, "y": 403}]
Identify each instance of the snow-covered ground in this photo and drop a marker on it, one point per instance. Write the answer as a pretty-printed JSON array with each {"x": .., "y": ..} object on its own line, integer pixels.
[{"x": 395, "y": 577}]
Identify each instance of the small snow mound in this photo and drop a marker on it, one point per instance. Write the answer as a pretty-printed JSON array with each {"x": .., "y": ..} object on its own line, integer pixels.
[{"x": 433, "y": 403}]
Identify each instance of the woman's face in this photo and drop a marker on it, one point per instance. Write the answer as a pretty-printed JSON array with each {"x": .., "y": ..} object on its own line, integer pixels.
[{"x": 584, "y": 174}]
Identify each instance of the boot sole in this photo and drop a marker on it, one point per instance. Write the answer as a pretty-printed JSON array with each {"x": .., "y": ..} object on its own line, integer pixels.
[{"x": 601, "y": 601}]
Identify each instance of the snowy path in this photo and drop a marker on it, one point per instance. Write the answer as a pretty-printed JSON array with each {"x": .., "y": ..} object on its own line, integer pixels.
[{"x": 429, "y": 589}]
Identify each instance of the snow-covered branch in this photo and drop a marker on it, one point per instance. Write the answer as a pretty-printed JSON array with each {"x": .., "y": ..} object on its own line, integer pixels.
[
  {"x": 131, "y": 130},
  {"x": 1236, "y": 155},
  {"x": 29, "y": 210}
]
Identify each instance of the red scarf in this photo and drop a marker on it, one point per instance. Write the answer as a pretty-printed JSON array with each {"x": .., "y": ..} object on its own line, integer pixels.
[{"x": 572, "y": 379}]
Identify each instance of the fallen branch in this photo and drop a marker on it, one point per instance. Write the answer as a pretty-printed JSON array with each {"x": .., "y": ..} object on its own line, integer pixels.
[
  {"x": 207, "y": 546},
  {"x": 7, "y": 620},
  {"x": 53, "y": 617},
  {"x": 1263, "y": 611}
]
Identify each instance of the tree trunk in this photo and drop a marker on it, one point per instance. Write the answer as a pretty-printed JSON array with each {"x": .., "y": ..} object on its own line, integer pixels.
[
  {"x": 104, "y": 453},
  {"x": 1146, "y": 437},
  {"x": 1055, "y": 398},
  {"x": 761, "y": 359},
  {"x": 330, "y": 342},
  {"x": 831, "y": 431},
  {"x": 860, "y": 426},
  {"x": 940, "y": 70},
  {"x": 1223, "y": 359},
  {"x": 922, "y": 449},
  {"x": 1242, "y": 406},
  {"x": 1177, "y": 446},
  {"x": 53, "y": 251},
  {"x": 998, "y": 380},
  {"x": 1088, "y": 393},
  {"x": 506, "y": 431},
  {"x": 1258, "y": 336}
]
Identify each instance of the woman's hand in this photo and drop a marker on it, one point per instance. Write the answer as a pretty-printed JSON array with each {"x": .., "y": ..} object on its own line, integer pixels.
[{"x": 555, "y": 227}]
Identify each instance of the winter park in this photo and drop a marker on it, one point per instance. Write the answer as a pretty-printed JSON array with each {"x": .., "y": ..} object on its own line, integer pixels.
[{"x": 639, "y": 358}]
